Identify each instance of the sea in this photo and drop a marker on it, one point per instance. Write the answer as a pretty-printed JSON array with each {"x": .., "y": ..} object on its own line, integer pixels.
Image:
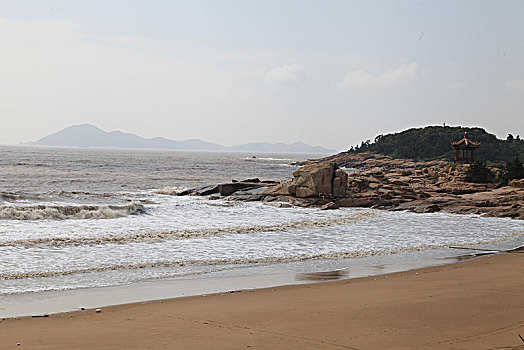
[{"x": 76, "y": 218}]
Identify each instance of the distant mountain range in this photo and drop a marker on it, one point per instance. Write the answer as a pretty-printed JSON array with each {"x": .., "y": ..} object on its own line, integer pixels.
[{"x": 87, "y": 135}]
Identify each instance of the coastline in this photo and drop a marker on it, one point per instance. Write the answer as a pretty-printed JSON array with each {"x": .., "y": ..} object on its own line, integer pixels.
[
  {"x": 36, "y": 304},
  {"x": 381, "y": 182},
  {"x": 302, "y": 319},
  {"x": 473, "y": 304},
  {"x": 240, "y": 277}
]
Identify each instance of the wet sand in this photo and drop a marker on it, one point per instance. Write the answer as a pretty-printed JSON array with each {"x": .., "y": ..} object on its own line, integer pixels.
[
  {"x": 53, "y": 302},
  {"x": 474, "y": 304}
]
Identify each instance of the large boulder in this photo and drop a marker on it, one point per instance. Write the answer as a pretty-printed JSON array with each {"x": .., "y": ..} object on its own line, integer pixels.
[{"x": 314, "y": 179}]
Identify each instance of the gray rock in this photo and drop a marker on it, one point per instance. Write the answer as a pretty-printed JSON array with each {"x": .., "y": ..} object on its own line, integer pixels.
[
  {"x": 232, "y": 187},
  {"x": 330, "y": 205},
  {"x": 206, "y": 190},
  {"x": 269, "y": 198},
  {"x": 185, "y": 192},
  {"x": 245, "y": 197}
]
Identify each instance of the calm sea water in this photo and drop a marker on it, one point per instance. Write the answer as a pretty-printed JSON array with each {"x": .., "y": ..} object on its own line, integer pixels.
[{"x": 75, "y": 218}]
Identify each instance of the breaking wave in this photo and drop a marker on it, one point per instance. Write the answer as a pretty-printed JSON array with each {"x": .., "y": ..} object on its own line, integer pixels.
[
  {"x": 190, "y": 233},
  {"x": 57, "y": 212},
  {"x": 269, "y": 158},
  {"x": 171, "y": 191},
  {"x": 14, "y": 197},
  {"x": 237, "y": 261}
]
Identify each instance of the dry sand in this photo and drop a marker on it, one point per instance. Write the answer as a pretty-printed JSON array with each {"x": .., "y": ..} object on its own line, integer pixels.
[{"x": 474, "y": 304}]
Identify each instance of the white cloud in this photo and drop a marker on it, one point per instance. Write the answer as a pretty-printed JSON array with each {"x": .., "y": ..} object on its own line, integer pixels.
[
  {"x": 515, "y": 84},
  {"x": 404, "y": 74},
  {"x": 290, "y": 74}
]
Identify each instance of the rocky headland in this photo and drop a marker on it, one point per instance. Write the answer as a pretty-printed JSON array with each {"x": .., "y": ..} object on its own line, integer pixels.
[{"x": 376, "y": 181}]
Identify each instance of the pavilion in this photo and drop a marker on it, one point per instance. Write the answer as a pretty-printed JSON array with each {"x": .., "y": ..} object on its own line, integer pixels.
[{"x": 465, "y": 150}]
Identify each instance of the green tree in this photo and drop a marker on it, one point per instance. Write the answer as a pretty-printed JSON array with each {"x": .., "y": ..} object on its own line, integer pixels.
[
  {"x": 513, "y": 170},
  {"x": 478, "y": 172}
]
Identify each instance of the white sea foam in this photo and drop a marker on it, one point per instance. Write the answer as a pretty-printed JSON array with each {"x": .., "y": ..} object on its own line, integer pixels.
[
  {"x": 191, "y": 233},
  {"x": 170, "y": 190},
  {"x": 63, "y": 212},
  {"x": 241, "y": 261}
]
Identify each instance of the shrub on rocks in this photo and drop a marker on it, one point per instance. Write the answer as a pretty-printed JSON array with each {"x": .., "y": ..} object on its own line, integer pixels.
[
  {"x": 513, "y": 170},
  {"x": 478, "y": 172}
]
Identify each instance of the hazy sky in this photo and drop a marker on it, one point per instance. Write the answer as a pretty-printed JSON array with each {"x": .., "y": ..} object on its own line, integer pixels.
[{"x": 330, "y": 73}]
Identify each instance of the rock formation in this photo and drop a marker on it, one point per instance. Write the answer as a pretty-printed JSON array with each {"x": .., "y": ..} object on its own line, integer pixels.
[
  {"x": 517, "y": 183},
  {"x": 314, "y": 180},
  {"x": 380, "y": 182}
]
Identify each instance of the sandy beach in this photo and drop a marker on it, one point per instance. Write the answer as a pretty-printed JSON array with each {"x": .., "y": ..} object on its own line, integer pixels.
[{"x": 473, "y": 304}]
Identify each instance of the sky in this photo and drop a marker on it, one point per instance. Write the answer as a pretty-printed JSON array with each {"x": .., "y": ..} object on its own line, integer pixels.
[{"x": 329, "y": 73}]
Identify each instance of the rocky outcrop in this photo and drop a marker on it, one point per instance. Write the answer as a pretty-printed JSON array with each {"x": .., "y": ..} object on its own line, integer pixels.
[
  {"x": 423, "y": 187},
  {"x": 227, "y": 189},
  {"x": 381, "y": 182},
  {"x": 364, "y": 161},
  {"x": 232, "y": 187},
  {"x": 517, "y": 183},
  {"x": 313, "y": 180}
]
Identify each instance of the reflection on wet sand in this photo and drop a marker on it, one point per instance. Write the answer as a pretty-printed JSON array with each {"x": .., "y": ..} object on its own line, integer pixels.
[{"x": 323, "y": 275}]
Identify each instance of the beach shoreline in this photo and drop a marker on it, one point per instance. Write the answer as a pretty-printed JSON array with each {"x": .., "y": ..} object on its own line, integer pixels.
[
  {"x": 37, "y": 304},
  {"x": 472, "y": 304}
]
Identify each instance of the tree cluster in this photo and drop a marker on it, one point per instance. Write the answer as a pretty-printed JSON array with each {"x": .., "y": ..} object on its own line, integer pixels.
[
  {"x": 513, "y": 170},
  {"x": 434, "y": 142}
]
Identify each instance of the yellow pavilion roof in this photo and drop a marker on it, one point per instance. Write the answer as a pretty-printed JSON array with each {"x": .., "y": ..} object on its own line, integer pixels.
[{"x": 467, "y": 142}]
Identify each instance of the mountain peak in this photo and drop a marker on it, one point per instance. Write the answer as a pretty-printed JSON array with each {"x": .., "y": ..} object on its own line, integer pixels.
[{"x": 88, "y": 135}]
